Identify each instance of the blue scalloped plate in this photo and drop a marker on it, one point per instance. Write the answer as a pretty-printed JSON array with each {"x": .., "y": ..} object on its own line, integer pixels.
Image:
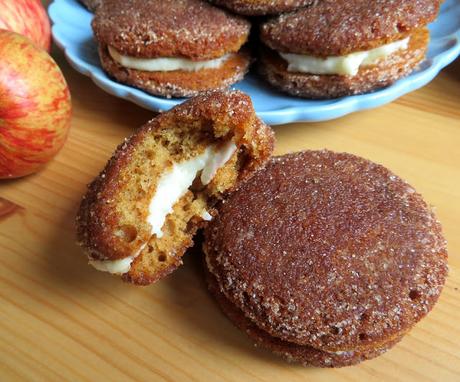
[{"x": 72, "y": 33}]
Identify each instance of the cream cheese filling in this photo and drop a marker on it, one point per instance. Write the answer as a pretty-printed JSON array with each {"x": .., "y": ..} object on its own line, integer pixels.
[
  {"x": 165, "y": 64},
  {"x": 116, "y": 266},
  {"x": 343, "y": 65},
  {"x": 206, "y": 216},
  {"x": 113, "y": 266},
  {"x": 173, "y": 185}
]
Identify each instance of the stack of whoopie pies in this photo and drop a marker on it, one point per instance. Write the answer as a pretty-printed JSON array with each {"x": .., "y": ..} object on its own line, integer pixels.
[{"x": 307, "y": 48}]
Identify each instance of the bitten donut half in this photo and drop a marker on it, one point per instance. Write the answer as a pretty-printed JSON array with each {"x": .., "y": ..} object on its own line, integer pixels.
[
  {"x": 338, "y": 48},
  {"x": 140, "y": 214},
  {"x": 171, "y": 48}
]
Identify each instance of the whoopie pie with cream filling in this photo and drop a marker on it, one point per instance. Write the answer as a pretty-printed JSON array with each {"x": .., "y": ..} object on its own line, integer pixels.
[
  {"x": 336, "y": 48},
  {"x": 325, "y": 258},
  {"x": 172, "y": 48}
]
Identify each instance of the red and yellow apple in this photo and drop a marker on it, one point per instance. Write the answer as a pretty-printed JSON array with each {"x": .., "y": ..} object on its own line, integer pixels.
[
  {"x": 35, "y": 106},
  {"x": 26, "y": 17}
]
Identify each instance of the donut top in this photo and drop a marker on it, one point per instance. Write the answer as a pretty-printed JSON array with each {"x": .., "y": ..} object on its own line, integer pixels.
[
  {"x": 262, "y": 7},
  {"x": 328, "y": 250},
  {"x": 92, "y": 4},
  {"x": 169, "y": 28},
  {"x": 339, "y": 27}
]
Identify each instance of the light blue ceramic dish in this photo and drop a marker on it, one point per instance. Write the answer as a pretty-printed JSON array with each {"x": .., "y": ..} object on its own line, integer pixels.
[{"x": 72, "y": 32}]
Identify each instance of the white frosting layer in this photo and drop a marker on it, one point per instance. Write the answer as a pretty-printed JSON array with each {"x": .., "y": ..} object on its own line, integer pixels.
[
  {"x": 206, "y": 216},
  {"x": 113, "y": 266},
  {"x": 342, "y": 65},
  {"x": 165, "y": 64},
  {"x": 216, "y": 160},
  {"x": 116, "y": 266},
  {"x": 174, "y": 183}
]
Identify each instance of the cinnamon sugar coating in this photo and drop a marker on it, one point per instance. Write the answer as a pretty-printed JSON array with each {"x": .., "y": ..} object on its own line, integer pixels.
[
  {"x": 262, "y": 7},
  {"x": 339, "y": 27},
  {"x": 328, "y": 250},
  {"x": 179, "y": 83},
  {"x": 92, "y": 5},
  {"x": 169, "y": 28},
  {"x": 369, "y": 78},
  {"x": 305, "y": 355}
]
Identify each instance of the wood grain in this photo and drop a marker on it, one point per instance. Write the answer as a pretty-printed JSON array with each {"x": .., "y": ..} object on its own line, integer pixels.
[{"x": 62, "y": 320}]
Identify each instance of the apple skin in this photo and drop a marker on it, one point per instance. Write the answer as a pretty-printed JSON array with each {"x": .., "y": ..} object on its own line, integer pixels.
[
  {"x": 35, "y": 106},
  {"x": 27, "y": 17}
]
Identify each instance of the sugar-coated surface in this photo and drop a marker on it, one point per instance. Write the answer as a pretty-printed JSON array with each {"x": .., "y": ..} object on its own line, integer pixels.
[
  {"x": 338, "y": 27},
  {"x": 169, "y": 28},
  {"x": 92, "y": 5},
  {"x": 262, "y": 7},
  {"x": 303, "y": 354},
  {"x": 328, "y": 250}
]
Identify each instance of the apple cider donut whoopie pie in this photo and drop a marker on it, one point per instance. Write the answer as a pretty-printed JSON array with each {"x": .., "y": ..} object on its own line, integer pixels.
[
  {"x": 140, "y": 214},
  {"x": 173, "y": 48},
  {"x": 327, "y": 259},
  {"x": 336, "y": 48},
  {"x": 262, "y": 7}
]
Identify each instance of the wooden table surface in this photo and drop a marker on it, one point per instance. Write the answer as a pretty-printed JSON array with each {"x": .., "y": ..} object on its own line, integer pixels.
[{"x": 63, "y": 320}]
